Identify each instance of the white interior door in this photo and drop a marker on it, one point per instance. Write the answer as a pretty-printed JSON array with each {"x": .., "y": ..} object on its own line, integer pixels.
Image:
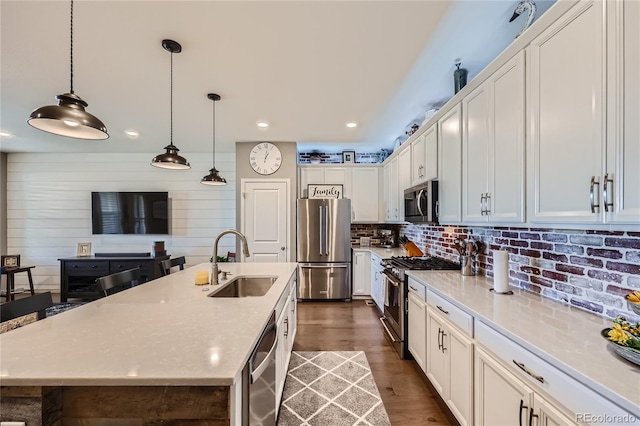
[{"x": 265, "y": 219}]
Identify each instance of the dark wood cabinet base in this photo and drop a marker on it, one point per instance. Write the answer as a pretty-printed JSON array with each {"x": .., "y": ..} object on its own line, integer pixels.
[{"x": 116, "y": 405}]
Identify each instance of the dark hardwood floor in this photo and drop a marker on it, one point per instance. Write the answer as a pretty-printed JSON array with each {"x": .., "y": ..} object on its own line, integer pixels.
[{"x": 354, "y": 326}]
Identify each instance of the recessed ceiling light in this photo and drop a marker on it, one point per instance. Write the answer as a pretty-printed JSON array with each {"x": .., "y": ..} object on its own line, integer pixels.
[
  {"x": 351, "y": 124},
  {"x": 132, "y": 133},
  {"x": 262, "y": 123}
]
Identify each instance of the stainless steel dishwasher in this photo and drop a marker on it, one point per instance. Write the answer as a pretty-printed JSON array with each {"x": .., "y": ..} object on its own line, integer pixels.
[{"x": 259, "y": 389}]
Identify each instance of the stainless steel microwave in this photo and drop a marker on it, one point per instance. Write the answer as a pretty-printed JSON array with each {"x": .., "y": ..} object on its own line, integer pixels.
[{"x": 421, "y": 203}]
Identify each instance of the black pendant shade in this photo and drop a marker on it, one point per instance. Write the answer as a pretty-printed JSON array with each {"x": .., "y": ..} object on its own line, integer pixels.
[
  {"x": 213, "y": 178},
  {"x": 69, "y": 118},
  {"x": 170, "y": 158}
]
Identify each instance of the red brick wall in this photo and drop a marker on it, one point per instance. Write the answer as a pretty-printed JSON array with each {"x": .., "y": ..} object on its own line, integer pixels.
[{"x": 591, "y": 270}]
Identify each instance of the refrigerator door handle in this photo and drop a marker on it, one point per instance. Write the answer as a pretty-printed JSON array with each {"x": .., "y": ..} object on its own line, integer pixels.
[
  {"x": 320, "y": 231},
  {"x": 326, "y": 231}
]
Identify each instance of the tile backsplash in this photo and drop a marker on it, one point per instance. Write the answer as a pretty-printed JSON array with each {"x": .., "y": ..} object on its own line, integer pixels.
[{"x": 589, "y": 269}]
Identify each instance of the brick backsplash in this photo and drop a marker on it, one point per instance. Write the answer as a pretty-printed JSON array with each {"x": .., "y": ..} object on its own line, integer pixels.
[{"x": 589, "y": 269}]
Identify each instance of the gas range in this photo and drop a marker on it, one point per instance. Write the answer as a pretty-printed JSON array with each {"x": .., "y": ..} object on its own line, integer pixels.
[{"x": 397, "y": 265}]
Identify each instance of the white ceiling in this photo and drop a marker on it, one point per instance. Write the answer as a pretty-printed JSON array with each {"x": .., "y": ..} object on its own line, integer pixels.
[{"x": 307, "y": 67}]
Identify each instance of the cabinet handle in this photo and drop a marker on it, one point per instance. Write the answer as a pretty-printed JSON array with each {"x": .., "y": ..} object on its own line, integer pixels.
[
  {"x": 605, "y": 193},
  {"x": 482, "y": 212},
  {"x": 442, "y": 309},
  {"x": 594, "y": 206},
  {"x": 412, "y": 288},
  {"x": 443, "y": 348},
  {"x": 286, "y": 331},
  {"x": 75, "y": 266},
  {"x": 487, "y": 199},
  {"x": 520, "y": 412},
  {"x": 94, "y": 266},
  {"x": 531, "y": 416},
  {"x": 524, "y": 368}
]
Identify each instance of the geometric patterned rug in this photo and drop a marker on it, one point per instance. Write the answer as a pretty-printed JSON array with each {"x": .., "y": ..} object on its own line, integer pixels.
[{"x": 331, "y": 388}]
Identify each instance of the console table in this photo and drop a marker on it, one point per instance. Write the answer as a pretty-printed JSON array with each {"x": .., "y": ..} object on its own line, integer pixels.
[{"x": 78, "y": 274}]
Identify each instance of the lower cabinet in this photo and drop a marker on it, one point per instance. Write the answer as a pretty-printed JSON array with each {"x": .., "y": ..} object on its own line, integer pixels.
[
  {"x": 417, "y": 334},
  {"x": 503, "y": 399},
  {"x": 286, "y": 323},
  {"x": 377, "y": 282},
  {"x": 361, "y": 273},
  {"x": 449, "y": 366}
]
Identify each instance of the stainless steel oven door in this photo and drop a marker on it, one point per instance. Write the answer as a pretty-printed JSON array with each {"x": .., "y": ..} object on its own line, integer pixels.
[{"x": 394, "y": 303}]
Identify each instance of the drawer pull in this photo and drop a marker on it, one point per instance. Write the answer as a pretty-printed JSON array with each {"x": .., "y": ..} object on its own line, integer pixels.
[
  {"x": 524, "y": 368},
  {"x": 412, "y": 288},
  {"x": 94, "y": 266},
  {"x": 442, "y": 309},
  {"x": 75, "y": 266}
]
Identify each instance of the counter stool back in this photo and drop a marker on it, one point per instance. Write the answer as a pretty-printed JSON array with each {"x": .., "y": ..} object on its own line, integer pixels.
[
  {"x": 28, "y": 305},
  {"x": 166, "y": 265},
  {"x": 119, "y": 281}
]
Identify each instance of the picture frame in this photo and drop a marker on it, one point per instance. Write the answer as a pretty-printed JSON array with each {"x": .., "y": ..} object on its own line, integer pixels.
[
  {"x": 348, "y": 157},
  {"x": 11, "y": 261},
  {"x": 84, "y": 249}
]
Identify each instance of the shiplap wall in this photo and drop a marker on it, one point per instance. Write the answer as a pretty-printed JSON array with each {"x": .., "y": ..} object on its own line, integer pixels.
[{"x": 49, "y": 207}]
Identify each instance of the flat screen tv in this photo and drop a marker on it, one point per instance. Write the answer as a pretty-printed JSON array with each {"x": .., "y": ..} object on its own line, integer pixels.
[{"x": 130, "y": 212}]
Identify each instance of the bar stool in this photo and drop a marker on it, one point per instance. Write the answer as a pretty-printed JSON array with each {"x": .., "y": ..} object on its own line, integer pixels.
[{"x": 11, "y": 267}]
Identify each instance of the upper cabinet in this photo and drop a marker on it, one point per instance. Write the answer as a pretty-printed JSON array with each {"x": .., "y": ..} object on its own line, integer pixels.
[
  {"x": 566, "y": 119},
  {"x": 450, "y": 166},
  {"x": 325, "y": 175},
  {"x": 493, "y": 147},
  {"x": 391, "y": 190},
  {"x": 359, "y": 183},
  {"x": 424, "y": 156},
  {"x": 364, "y": 196},
  {"x": 620, "y": 193}
]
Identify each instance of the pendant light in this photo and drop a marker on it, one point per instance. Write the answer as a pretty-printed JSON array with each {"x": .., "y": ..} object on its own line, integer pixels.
[
  {"x": 213, "y": 178},
  {"x": 170, "y": 159},
  {"x": 69, "y": 118}
]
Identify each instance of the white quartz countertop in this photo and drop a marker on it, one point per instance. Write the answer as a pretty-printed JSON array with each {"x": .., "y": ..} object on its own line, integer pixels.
[
  {"x": 564, "y": 336},
  {"x": 163, "y": 332},
  {"x": 384, "y": 253}
]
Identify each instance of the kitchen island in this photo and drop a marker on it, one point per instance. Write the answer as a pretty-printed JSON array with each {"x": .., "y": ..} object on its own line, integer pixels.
[{"x": 160, "y": 351}]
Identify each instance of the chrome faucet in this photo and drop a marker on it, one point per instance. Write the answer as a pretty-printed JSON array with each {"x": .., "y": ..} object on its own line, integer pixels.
[{"x": 214, "y": 260}]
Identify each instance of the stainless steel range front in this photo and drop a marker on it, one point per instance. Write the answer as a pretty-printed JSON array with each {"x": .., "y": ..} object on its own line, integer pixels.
[{"x": 395, "y": 319}]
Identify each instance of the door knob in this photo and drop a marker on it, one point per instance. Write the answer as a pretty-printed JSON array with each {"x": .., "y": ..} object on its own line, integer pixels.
[{"x": 282, "y": 248}]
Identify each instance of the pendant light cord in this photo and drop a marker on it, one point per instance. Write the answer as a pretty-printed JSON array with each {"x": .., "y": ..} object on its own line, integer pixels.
[
  {"x": 214, "y": 134},
  {"x": 71, "y": 49},
  {"x": 171, "y": 102}
]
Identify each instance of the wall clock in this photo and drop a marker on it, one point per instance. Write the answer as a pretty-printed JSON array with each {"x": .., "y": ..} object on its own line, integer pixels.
[{"x": 265, "y": 158}]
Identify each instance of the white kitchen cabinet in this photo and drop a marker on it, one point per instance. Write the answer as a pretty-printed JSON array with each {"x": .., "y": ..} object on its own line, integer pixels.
[
  {"x": 404, "y": 177},
  {"x": 621, "y": 196},
  {"x": 417, "y": 160},
  {"x": 361, "y": 273},
  {"x": 567, "y": 117},
  {"x": 500, "y": 398},
  {"x": 450, "y": 365},
  {"x": 337, "y": 175},
  {"x": 504, "y": 400},
  {"x": 377, "y": 282},
  {"x": 450, "y": 166},
  {"x": 283, "y": 351},
  {"x": 417, "y": 313},
  {"x": 424, "y": 156},
  {"x": 391, "y": 199},
  {"x": 431, "y": 153},
  {"x": 364, "y": 194},
  {"x": 493, "y": 147}
]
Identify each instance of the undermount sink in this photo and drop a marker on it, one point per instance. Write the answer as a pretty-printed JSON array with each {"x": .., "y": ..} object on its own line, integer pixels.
[{"x": 246, "y": 287}]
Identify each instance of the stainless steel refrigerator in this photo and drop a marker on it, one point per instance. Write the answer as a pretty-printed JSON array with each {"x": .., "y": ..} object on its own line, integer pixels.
[{"x": 324, "y": 248}]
